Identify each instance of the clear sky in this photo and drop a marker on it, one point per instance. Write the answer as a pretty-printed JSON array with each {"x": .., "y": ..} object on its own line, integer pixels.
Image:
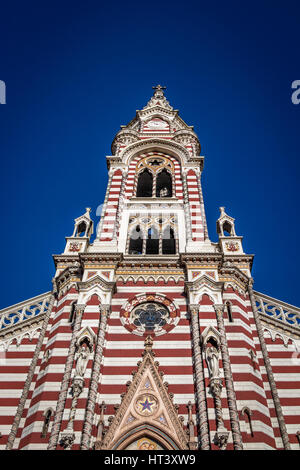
[{"x": 76, "y": 71}]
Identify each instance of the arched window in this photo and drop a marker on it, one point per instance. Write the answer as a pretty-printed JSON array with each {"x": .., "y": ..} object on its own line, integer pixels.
[
  {"x": 47, "y": 419},
  {"x": 227, "y": 229},
  {"x": 136, "y": 241},
  {"x": 152, "y": 242},
  {"x": 229, "y": 311},
  {"x": 145, "y": 183},
  {"x": 168, "y": 241},
  {"x": 72, "y": 314},
  {"x": 81, "y": 229},
  {"x": 164, "y": 184},
  {"x": 247, "y": 413}
]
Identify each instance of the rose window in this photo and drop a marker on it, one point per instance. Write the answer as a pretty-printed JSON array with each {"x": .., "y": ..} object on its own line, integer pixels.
[{"x": 149, "y": 317}]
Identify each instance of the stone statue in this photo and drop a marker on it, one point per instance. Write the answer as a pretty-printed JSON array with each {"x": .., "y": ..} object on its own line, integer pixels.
[
  {"x": 82, "y": 360},
  {"x": 212, "y": 359}
]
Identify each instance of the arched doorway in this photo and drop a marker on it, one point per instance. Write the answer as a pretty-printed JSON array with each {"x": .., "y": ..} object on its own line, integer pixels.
[{"x": 146, "y": 437}]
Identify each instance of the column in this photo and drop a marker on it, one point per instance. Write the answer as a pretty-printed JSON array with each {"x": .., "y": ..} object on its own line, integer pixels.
[
  {"x": 79, "y": 309},
  {"x": 92, "y": 397},
  {"x": 200, "y": 382},
  {"x": 233, "y": 412}
]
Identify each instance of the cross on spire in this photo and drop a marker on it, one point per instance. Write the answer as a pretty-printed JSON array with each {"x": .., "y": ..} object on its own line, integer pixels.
[
  {"x": 159, "y": 91},
  {"x": 159, "y": 87}
]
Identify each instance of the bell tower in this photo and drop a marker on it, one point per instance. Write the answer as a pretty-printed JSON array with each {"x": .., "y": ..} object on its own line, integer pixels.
[{"x": 154, "y": 186}]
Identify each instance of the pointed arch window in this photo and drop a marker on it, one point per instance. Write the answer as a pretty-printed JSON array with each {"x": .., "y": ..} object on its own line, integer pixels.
[
  {"x": 72, "y": 314},
  {"x": 136, "y": 241},
  {"x": 164, "y": 184},
  {"x": 227, "y": 229},
  {"x": 155, "y": 235},
  {"x": 152, "y": 242},
  {"x": 155, "y": 177},
  {"x": 247, "y": 414},
  {"x": 81, "y": 229},
  {"x": 229, "y": 312},
  {"x": 47, "y": 418},
  {"x": 168, "y": 241},
  {"x": 145, "y": 184}
]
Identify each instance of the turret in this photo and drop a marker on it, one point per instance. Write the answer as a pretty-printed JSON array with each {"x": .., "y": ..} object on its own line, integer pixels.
[{"x": 83, "y": 230}]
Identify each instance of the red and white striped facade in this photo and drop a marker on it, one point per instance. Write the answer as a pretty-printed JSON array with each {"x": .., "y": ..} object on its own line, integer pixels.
[{"x": 78, "y": 367}]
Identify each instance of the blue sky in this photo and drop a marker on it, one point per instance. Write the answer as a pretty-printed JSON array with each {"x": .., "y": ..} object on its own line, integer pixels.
[{"x": 76, "y": 71}]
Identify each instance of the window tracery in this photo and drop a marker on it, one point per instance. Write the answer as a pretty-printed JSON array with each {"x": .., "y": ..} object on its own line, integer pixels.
[
  {"x": 151, "y": 235},
  {"x": 155, "y": 177}
]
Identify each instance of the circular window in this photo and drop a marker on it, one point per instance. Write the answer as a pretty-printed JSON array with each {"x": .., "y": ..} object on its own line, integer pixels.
[
  {"x": 149, "y": 314},
  {"x": 149, "y": 317}
]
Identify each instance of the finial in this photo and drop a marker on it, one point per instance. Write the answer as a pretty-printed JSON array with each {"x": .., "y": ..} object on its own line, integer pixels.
[
  {"x": 88, "y": 210},
  {"x": 222, "y": 210},
  {"x": 158, "y": 93}
]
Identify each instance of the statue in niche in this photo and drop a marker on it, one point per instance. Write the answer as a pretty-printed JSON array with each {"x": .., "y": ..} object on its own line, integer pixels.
[
  {"x": 82, "y": 360},
  {"x": 212, "y": 359}
]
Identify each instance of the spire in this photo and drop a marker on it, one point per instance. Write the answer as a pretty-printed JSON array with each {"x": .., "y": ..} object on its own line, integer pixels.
[{"x": 158, "y": 98}]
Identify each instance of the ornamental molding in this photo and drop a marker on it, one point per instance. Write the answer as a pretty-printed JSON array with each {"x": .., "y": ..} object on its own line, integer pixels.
[
  {"x": 152, "y": 261},
  {"x": 238, "y": 259},
  {"x": 282, "y": 329},
  {"x": 86, "y": 333},
  {"x": 27, "y": 329},
  {"x": 100, "y": 258},
  {"x": 167, "y": 307},
  {"x": 69, "y": 274},
  {"x": 201, "y": 286},
  {"x": 231, "y": 273},
  {"x": 194, "y": 286},
  {"x": 72, "y": 284},
  {"x": 66, "y": 261},
  {"x": 234, "y": 285},
  {"x": 275, "y": 313},
  {"x": 96, "y": 281},
  {"x": 275, "y": 334},
  {"x": 124, "y": 136},
  {"x": 135, "y": 278},
  {"x": 210, "y": 332},
  {"x": 25, "y": 314},
  {"x": 146, "y": 405},
  {"x": 201, "y": 258},
  {"x": 156, "y": 111},
  {"x": 175, "y": 149}
]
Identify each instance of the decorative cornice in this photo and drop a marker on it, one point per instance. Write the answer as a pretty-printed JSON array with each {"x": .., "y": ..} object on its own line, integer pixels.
[
  {"x": 239, "y": 259},
  {"x": 100, "y": 258},
  {"x": 96, "y": 280},
  {"x": 145, "y": 262},
  {"x": 20, "y": 329},
  {"x": 68, "y": 260},
  {"x": 204, "y": 279},
  {"x": 23, "y": 314},
  {"x": 165, "y": 145},
  {"x": 205, "y": 258},
  {"x": 288, "y": 330}
]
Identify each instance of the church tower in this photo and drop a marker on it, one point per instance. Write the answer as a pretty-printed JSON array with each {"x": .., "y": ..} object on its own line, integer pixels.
[{"x": 152, "y": 337}]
